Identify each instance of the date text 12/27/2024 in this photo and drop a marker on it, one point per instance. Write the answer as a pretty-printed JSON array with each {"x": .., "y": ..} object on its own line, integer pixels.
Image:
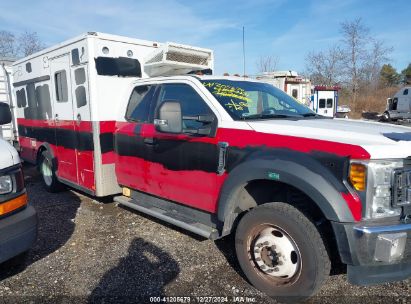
[{"x": 197, "y": 299}]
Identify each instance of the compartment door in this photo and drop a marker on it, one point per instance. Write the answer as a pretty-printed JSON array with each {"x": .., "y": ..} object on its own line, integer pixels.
[{"x": 65, "y": 133}]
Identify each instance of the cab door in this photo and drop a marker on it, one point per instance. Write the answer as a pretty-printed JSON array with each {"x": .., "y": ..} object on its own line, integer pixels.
[
  {"x": 65, "y": 135},
  {"x": 182, "y": 167}
]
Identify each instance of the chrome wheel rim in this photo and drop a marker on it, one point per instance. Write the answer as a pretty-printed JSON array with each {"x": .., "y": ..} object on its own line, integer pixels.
[
  {"x": 274, "y": 254},
  {"x": 46, "y": 171}
]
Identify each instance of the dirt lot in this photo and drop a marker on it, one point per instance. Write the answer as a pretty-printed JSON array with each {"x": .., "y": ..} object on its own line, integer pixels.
[{"x": 89, "y": 251}]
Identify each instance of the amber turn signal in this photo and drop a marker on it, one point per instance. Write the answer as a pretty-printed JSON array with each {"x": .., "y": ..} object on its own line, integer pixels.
[
  {"x": 358, "y": 176},
  {"x": 13, "y": 204},
  {"x": 126, "y": 192}
]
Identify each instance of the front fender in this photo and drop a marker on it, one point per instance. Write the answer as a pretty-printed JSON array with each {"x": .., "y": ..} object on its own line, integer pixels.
[{"x": 296, "y": 169}]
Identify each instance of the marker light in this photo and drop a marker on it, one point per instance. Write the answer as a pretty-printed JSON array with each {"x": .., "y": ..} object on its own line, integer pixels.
[
  {"x": 13, "y": 204},
  {"x": 358, "y": 176}
]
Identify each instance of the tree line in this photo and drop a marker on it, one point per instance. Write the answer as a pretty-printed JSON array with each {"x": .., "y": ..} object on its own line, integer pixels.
[{"x": 358, "y": 63}]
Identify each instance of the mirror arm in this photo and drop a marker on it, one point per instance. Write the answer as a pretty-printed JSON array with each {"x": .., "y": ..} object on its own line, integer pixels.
[
  {"x": 200, "y": 118},
  {"x": 200, "y": 131}
]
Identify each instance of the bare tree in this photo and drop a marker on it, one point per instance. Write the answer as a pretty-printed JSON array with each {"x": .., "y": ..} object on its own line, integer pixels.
[
  {"x": 26, "y": 44},
  {"x": 354, "y": 45},
  {"x": 8, "y": 46},
  {"x": 266, "y": 64},
  {"x": 377, "y": 56},
  {"x": 324, "y": 67},
  {"x": 29, "y": 43}
]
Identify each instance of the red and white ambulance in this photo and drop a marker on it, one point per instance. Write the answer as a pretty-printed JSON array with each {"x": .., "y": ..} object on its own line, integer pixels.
[{"x": 221, "y": 155}]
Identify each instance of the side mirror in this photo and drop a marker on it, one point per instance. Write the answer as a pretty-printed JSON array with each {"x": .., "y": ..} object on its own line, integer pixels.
[
  {"x": 169, "y": 119},
  {"x": 5, "y": 114}
]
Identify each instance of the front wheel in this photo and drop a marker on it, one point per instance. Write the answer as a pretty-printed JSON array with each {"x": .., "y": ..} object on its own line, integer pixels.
[
  {"x": 48, "y": 172},
  {"x": 281, "y": 252}
]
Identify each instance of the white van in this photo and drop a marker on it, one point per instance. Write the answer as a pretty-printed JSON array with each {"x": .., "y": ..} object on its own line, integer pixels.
[
  {"x": 399, "y": 106},
  {"x": 18, "y": 220}
]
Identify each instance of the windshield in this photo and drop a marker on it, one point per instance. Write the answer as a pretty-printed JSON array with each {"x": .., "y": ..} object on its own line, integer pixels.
[{"x": 254, "y": 100}]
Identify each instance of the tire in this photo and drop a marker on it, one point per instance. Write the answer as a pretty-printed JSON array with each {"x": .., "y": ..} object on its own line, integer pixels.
[
  {"x": 306, "y": 265},
  {"x": 48, "y": 173},
  {"x": 386, "y": 116},
  {"x": 19, "y": 261}
]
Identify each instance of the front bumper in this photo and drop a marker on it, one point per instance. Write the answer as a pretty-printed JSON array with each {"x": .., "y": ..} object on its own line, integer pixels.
[
  {"x": 18, "y": 232},
  {"x": 375, "y": 253}
]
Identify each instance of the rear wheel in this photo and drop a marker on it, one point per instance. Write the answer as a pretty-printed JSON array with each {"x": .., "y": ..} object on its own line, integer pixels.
[
  {"x": 281, "y": 252},
  {"x": 48, "y": 172}
]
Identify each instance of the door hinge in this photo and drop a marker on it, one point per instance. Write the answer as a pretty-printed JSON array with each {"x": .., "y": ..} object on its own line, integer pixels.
[{"x": 222, "y": 155}]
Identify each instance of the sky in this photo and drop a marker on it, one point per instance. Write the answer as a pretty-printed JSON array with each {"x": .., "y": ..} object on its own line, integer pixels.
[{"x": 286, "y": 30}]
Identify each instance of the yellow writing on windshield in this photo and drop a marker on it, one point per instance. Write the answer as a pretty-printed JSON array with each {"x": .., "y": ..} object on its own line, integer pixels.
[
  {"x": 238, "y": 106},
  {"x": 227, "y": 91}
]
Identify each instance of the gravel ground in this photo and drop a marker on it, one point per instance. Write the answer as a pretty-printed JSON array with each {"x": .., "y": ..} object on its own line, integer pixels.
[{"x": 89, "y": 251}]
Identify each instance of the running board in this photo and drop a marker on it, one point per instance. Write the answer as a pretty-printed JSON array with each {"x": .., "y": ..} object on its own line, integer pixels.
[{"x": 170, "y": 217}]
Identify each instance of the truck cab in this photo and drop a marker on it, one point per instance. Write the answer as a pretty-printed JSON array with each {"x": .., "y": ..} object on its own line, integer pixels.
[
  {"x": 221, "y": 155},
  {"x": 18, "y": 220},
  {"x": 399, "y": 106}
]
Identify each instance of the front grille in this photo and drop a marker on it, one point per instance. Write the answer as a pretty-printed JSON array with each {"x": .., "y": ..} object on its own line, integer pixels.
[
  {"x": 401, "y": 195},
  {"x": 407, "y": 162}
]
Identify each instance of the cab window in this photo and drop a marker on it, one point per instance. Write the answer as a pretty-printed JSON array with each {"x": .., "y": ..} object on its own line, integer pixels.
[
  {"x": 139, "y": 103},
  {"x": 191, "y": 102}
]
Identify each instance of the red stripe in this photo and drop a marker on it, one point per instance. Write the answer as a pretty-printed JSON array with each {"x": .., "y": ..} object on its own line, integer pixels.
[
  {"x": 250, "y": 138},
  {"x": 83, "y": 126},
  {"x": 107, "y": 126},
  {"x": 236, "y": 137},
  {"x": 247, "y": 138}
]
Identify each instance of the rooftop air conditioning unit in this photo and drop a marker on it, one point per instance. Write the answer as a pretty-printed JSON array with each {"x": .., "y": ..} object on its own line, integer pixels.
[{"x": 177, "y": 59}]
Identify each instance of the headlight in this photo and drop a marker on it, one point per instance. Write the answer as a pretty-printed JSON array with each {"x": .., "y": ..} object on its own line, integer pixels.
[
  {"x": 379, "y": 188},
  {"x": 6, "y": 184}
]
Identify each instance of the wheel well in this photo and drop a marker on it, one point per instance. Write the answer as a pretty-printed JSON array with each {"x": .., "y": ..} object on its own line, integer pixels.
[{"x": 259, "y": 192}]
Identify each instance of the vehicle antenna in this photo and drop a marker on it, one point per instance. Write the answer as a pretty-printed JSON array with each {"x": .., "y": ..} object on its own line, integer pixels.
[{"x": 243, "y": 53}]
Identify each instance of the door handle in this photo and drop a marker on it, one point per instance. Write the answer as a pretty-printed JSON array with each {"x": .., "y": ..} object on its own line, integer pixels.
[
  {"x": 56, "y": 117},
  {"x": 78, "y": 119},
  {"x": 149, "y": 141}
]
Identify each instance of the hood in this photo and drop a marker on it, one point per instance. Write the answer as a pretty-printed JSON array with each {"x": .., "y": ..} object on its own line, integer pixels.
[
  {"x": 8, "y": 155},
  {"x": 380, "y": 140}
]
